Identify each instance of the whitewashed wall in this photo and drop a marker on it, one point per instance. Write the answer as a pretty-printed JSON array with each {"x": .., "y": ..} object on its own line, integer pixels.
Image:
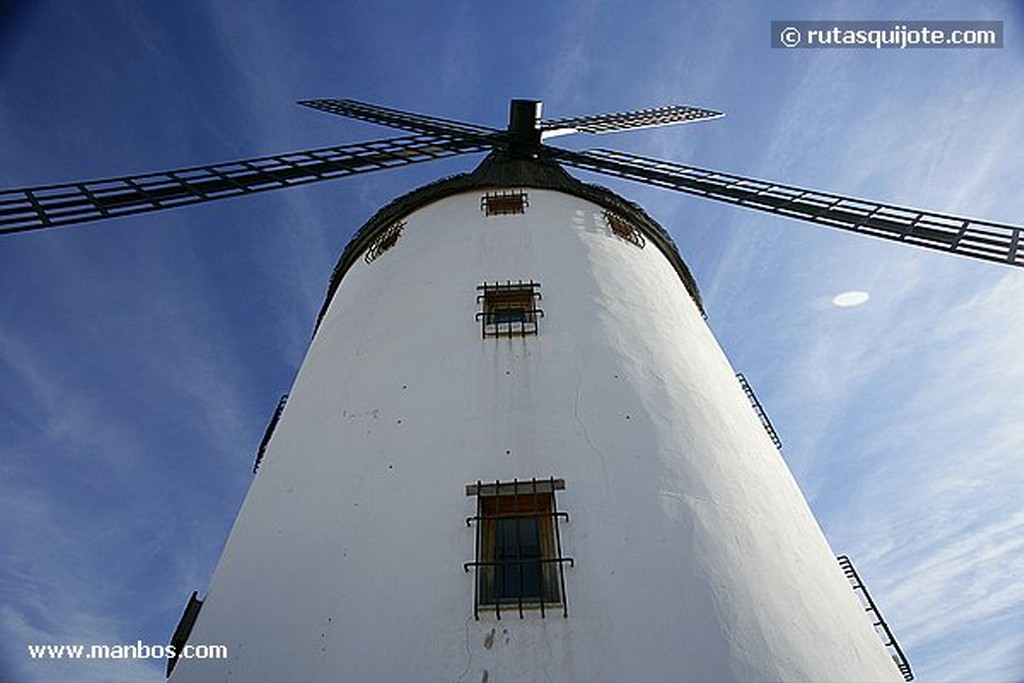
[{"x": 696, "y": 557}]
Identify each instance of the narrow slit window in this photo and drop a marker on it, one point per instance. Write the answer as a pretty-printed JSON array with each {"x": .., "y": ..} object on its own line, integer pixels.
[
  {"x": 503, "y": 202},
  {"x": 271, "y": 426},
  {"x": 509, "y": 309},
  {"x": 519, "y": 563},
  {"x": 184, "y": 628}
]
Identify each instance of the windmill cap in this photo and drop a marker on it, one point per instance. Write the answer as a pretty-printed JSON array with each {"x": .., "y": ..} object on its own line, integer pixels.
[{"x": 500, "y": 170}]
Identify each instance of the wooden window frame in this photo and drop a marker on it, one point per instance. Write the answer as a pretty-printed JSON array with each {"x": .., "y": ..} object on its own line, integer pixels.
[
  {"x": 504, "y": 202},
  {"x": 498, "y": 299},
  {"x": 501, "y": 509}
]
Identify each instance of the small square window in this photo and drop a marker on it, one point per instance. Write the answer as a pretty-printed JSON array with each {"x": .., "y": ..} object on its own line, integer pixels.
[
  {"x": 518, "y": 559},
  {"x": 509, "y": 309},
  {"x": 504, "y": 202}
]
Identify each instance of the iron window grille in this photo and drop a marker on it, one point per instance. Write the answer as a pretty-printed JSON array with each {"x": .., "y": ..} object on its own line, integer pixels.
[
  {"x": 509, "y": 309},
  {"x": 519, "y": 563},
  {"x": 503, "y": 202},
  {"x": 759, "y": 409},
  {"x": 384, "y": 241},
  {"x": 624, "y": 229},
  {"x": 881, "y": 628}
]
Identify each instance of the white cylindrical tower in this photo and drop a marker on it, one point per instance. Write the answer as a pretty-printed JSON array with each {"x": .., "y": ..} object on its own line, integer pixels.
[{"x": 515, "y": 452}]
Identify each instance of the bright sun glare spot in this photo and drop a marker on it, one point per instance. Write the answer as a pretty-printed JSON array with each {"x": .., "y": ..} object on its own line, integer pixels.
[{"x": 850, "y": 299}]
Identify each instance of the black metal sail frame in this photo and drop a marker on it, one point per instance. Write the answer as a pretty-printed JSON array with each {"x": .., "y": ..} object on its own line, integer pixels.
[
  {"x": 978, "y": 239},
  {"x": 49, "y": 206},
  {"x": 36, "y": 208}
]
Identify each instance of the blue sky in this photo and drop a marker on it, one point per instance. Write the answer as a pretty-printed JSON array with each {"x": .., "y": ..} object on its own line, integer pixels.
[{"x": 141, "y": 358}]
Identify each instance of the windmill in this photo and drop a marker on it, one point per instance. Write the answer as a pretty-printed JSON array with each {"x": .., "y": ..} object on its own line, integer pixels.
[{"x": 589, "y": 427}]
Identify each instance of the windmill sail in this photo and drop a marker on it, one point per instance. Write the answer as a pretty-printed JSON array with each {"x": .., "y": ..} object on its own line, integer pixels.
[
  {"x": 985, "y": 240},
  {"x": 36, "y": 208}
]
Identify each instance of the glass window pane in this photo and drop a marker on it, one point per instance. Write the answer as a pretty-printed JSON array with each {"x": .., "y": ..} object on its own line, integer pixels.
[
  {"x": 509, "y": 315},
  {"x": 517, "y": 542}
]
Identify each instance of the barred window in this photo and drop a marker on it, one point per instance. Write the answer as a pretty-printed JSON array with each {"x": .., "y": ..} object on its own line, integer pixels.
[
  {"x": 519, "y": 563},
  {"x": 509, "y": 309},
  {"x": 384, "y": 241},
  {"x": 624, "y": 229},
  {"x": 502, "y": 202}
]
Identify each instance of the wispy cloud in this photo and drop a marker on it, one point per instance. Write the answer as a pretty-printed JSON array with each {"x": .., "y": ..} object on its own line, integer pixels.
[
  {"x": 929, "y": 502},
  {"x": 898, "y": 417}
]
